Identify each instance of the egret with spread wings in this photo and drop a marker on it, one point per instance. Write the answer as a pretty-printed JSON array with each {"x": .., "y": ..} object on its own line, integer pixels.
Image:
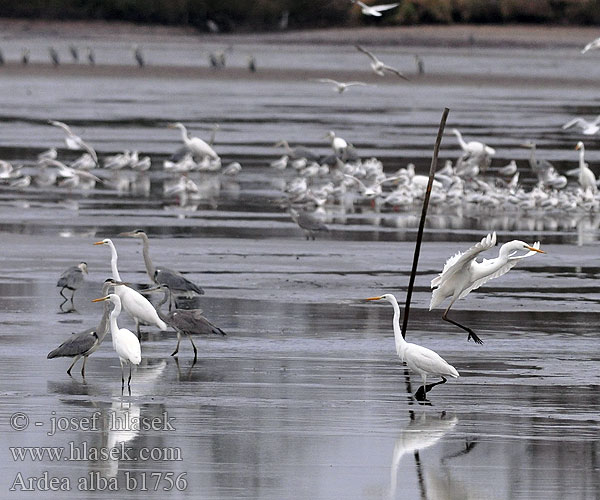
[{"x": 462, "y": 273}]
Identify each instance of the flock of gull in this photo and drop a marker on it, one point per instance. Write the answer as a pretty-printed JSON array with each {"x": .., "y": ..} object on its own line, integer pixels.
[{"x": 317, "y": 182}]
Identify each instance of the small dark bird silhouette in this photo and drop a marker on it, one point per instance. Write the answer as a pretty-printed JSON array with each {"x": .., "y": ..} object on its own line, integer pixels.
[{"x": 54, "y": 56}]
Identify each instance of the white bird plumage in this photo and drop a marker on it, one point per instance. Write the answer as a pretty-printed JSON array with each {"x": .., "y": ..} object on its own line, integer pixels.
[
  {"x": 340, "y": 87},
  {"x": 125, "y": 343},
  {"x": 136, "y": 305},
  {"x": 587, "y": 128},
  {"x": 378, "y": 66},
  {"x": 473, "y": 148},
  {"x": 73, "y": 141},
  {"x": 594, "y": 44},
  {"x": 587, "y": 179},
  {"x": 196, "y": 146},
  {"x": 420, "y": 359},
  {"x": 462, "y": 273},
  {"x": 374, "y": 10}
]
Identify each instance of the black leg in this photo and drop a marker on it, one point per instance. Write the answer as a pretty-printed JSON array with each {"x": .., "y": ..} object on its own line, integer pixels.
[
  {"x": 421, "y": 394},
  {"x": 472, "y": 334},
  {"x": 83, "y": 367},
  {"x": 129, "y": 381},
  {"x": 194, "y": 346}
]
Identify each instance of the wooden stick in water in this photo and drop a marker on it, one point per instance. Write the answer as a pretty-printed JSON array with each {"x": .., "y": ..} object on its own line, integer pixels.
[{"x": 432, "y": 170}]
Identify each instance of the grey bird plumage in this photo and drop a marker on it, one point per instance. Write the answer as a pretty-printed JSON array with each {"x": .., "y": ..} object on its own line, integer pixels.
[
  {"x": 177, "y": 282},
  {"x": 84, "y": 343},
  {"x": 307, "y": 222},
  {"x": 186, "y": 321},
  {"x": 72, "y": 279}
]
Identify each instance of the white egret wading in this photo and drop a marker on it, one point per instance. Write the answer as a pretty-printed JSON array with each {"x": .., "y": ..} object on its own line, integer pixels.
[
  {"x": 126, "y": 344},
  {"x": 418, "y": 358}
]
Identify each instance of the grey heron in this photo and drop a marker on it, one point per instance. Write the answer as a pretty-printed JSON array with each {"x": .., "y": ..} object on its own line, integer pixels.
[
  {"x": 186, "y": 321},
  {"x": 176, "y": 281},
  {"x": 86, "y": 342},
  {"x": 72, "y": 279}
]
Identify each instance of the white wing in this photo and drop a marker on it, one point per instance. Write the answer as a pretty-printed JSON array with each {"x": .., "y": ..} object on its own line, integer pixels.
[
  {"x": 326, "y": 80},
  {"x": 365, "y": 51},
  {"x": 361, "y": 184},
  {"x": 572, "y": 122},
  {"x": 421, "y": 358},
  {"x": 351, "y": 84},
  {"x": 592, "y": 45},
  {"x": 459, "y": 260},
  {"x": 512, "y": 262},
  {"x": 387, "y": 6},
  {"x": 395, "y": 71}
]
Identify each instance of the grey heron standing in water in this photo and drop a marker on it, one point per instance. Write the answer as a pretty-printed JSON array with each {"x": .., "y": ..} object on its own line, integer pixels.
[
  {"x": 86, "y": 342},
  {"x": 185, "y": 321},
  {"x": 177, "y": 282},
  {"x": 72, "y": 279}
]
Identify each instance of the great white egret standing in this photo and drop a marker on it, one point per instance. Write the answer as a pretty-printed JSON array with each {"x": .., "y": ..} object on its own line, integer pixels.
[
  {"x": 420, "y": 359},
  {"x": 136, "y": 305},
  {"x": 462, "y": 273},
  {"x": 125, "y": 342},
  {"x": 177, "y": 282},
  {"x": 72, "y": 279},
  {"x": 195, "y": 145},
  {"x": 587, "y": 179},
  {"x": 473, "y": 148},
  {"x": 186, "y": 321},
  {"x": 85, "y": 343}
]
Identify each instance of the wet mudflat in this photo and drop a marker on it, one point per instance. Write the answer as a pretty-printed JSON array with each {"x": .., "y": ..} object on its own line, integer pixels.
[{"x": 305, "y": 396}]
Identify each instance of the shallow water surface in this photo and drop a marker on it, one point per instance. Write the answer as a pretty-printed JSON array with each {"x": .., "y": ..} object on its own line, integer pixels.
[{"x": 305, "y": 396}]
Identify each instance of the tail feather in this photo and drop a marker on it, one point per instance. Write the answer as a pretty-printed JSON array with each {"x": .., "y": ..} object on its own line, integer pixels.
[{"x": 436, "y": 299}]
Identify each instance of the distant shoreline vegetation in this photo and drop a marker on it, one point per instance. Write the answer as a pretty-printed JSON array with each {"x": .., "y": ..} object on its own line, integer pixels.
[{"x": 266, "y": 15}]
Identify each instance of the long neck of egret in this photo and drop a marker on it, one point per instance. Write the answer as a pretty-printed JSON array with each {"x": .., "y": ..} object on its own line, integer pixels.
[
  {"x": 400, "y": 342},
  {"x": 113, "y": 261},
  {"x": 114, "y": 328},
  {"x": 150, "y": 269},
  {"x": 581, "y": 157}
]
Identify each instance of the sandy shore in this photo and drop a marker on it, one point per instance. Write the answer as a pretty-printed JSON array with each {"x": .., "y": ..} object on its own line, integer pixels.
[{"x": 434, "y": 35}]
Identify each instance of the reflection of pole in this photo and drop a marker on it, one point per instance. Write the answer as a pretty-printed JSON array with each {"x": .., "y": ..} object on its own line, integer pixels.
[
  {"x": 432, "y": 170},
  {"x": 420, "y": 478}
]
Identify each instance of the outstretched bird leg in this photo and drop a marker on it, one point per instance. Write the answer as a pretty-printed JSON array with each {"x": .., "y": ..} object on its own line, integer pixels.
[
  {"x": 72, "y": 295},
  {"x": 72, "y": 364},
  {"x": 421, "y": 394},
  {"x": 472, "y": 334}
]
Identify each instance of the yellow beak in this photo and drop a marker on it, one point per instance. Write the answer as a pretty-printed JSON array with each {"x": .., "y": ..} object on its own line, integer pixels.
[
  {"x": 374, "y": 298},
  {"x": 99, "y": 243},
  {"x": 100, "y": 299},
  {"x": 535, "y": 249}
]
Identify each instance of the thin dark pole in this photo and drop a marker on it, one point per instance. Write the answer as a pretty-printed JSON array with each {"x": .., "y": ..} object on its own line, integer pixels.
[{"x": 432, "y": 170}]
